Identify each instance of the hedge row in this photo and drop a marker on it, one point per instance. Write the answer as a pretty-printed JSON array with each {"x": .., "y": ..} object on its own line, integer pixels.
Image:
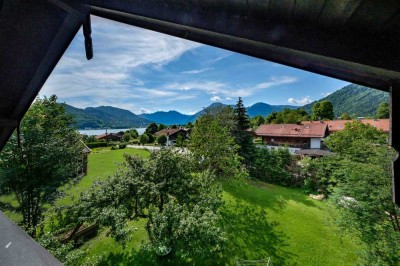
[{"x": 96, "y": 144}]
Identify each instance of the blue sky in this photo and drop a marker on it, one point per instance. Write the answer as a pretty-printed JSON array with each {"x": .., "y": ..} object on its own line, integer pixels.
[{"x": 145, "y": 71}]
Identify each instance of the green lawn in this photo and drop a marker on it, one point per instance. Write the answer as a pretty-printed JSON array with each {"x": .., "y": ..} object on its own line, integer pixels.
[
  {"x": 300, "y": 230},
  {"x": 297, "y": 230}
]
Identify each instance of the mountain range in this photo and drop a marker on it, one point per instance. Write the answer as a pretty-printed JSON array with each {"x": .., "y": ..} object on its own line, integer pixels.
[
  {"x": 353, "y": 99},
  {"x": 176, "y": 118},
  {"x": 356, "y": 100},
  {"x": 105, "y": 116}
]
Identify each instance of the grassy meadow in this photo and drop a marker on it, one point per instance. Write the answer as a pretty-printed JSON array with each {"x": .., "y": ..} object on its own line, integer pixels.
[{"x": 296, "y": 231}]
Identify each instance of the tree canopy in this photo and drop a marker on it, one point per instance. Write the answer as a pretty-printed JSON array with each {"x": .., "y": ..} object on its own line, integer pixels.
[
  {"x": 383, "y": 111},
  {"x": 287, "y": 116},
  {"x": 323, "y": 110},
  {"x": 213, "y": 145},
  {"x": 49, "y": 155}
]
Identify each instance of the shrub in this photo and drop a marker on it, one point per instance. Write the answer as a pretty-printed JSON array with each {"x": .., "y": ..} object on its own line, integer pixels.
[
  {"x": 96, "y": 144},
  {"x": 115, "y": 147},
  {"x": 271, "y": 166},
  {"x": 126, "y": 137},
  {"x": 151, "y": 138},
  {"x": 122, "y": 145},
  {"x": 162, "y": 140},
  {"x": 134, "y": 141},
  {"x": 144, "y": 139}
]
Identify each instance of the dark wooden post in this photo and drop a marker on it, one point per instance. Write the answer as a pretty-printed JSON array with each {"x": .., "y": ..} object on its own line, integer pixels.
[{"x": 395, "y": 138}]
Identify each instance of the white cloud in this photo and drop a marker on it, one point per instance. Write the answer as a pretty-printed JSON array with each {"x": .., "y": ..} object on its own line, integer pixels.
[
  {"x": 276, "y": 81},
  {"x": 215, "y": 98},
  {"x": 228, "y": 98},
  {"x": 120, "y": 51},
  {"x": 226, "y": 90},
  {"x": 144, "y": 111},
  {"x": 326, "y": 93},
  {"x": 301, "y": 101},
  {"x": 196, "y": 71}
]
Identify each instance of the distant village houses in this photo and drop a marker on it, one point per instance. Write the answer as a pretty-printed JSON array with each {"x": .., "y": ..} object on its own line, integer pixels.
[
  {"x": 172, "y": 134},
  {"x": 111, "y": 136},
  {"x": 306, "y": 138}
]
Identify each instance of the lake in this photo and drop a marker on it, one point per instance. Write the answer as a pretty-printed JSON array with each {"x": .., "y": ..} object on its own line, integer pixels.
[{"x": 95, "y": 132}]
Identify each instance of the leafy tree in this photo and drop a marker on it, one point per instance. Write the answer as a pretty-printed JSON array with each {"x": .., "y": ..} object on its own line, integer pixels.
[
  {"x": 323, "y": 110},
  {"x": 257, "y": 121},
  {"x": 144, "y": 138},
  {"x": 180, "y": 204},
  {"x": 243, "y": 137},
  {"x": 189, "y": 125},
  {"x": 48, "y": 157},
  {"x": 133, "y": 132},
  {"x": 345, "y": 116},
  {"x": 162, "y": 140},
  {"x": 151, "y": 137},
  {"x": 359, "y": 180},
  {"x": 174, "y": 126},
  {"x": 126, "y": 137},
  {"x": 161, "y": 127},
  {"x": 152, "y": 128},
  {"x": 344, "y": 142},
  {"x": 287, "y": 116},
  {"x": 383, "y": 111},
  {"x": 179, "y": 141},
  {"x": 271, "y": 166},
  {"x": 213, "y": 145}
]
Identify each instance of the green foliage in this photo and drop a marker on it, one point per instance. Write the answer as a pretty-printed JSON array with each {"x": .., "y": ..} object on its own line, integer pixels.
[
  {"x": 354, "y": 99},
  {"x": 179, "y": 141},
  {"x": 345, "y": 116},
  {"x": 243, "y": 137},
  {"x": 115, "y": 147},
  {"x": 271, "y": 166},
  {"x": 212, "y": 144},
  {"x": 151, "y": 137},
  {"x": 49, "y": 156},
  {"x": 126, "y": 137},
  {"x": 287, "y": 116},
  {"x": 162, "y": 140},
  {"x": 383, "y": 111},
  {"x": 322, "y": 110},
  {"x": 63, "y": 252},
  {"x": 257, "y": 121},
  {"x": 133, "y": 132},
  {"x": 152, "y": 128},
  {"x": 353, "y": 136},
  {"x": 181, "y": 207},
  {"x": 359, "y": 180},
  {"x": 161, "y": 127},
  {"x": 96, "y": 144},
  {"x": 122, "y": 145},
  {"x": 144, "y": 138},
  {"x": 88, "y": 139}
]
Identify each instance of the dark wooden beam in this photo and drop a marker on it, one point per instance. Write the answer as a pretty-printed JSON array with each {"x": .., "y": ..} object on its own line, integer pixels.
[{"x": 395, "y": 138}]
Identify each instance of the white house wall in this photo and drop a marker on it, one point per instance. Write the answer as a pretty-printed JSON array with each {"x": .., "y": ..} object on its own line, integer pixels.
[{"x": 315, "y": 143}]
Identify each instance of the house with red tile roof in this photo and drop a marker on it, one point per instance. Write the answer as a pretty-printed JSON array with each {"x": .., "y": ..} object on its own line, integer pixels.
[
  {"x": 338, "y": 125},
  {"x": 172, "y": 134},
  {"x": 302, "y": 136}
]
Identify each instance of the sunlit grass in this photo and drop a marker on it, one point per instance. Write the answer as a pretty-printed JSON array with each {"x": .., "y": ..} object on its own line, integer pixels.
[{"x": 297, "y": 230}]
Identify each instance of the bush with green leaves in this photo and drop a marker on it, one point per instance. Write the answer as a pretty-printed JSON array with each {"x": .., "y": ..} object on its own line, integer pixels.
[
  {"x": 48, "y": 156},
  {"x": 155, "y": 189},
  {"x": 162, "y": 140},
  {"x": 127, "y": 137},
  {"x": 96, "y": 144},
  {"x": 144, "y": 139},
  {"x": 358, "y": 179}
]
